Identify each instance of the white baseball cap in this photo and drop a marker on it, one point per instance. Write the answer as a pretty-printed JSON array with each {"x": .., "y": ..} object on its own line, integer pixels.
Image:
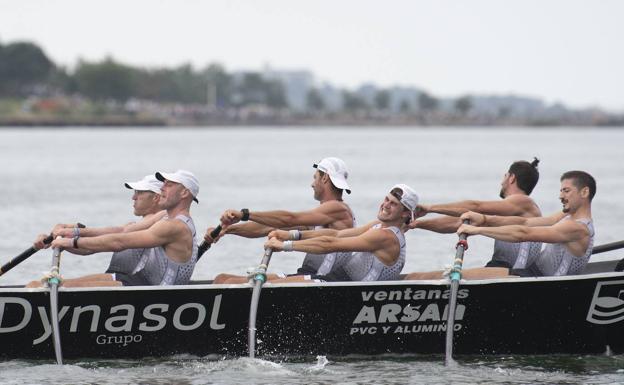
[
  {"x": 336, "y": 168},
  {"x": 407, "y": 197},
  {"x": 148, "y": 183},
  {"x": 185, "y": 178}
]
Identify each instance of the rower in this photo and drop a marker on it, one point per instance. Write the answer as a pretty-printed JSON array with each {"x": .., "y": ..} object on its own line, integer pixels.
[
  {"x": 328, "y": 183},
  {"x": 516, "y": 186},
  {"x": 569, "y": 234},
  {"x": 167, "y": 250},
  {"x": 377, "y": 249},
  {"x": 145, "y": 197}
]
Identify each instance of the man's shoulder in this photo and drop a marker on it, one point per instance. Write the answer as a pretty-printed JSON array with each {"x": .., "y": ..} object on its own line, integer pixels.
[
  {"x": 170, "y": 224},
  {"x": 334, "y": 205}
]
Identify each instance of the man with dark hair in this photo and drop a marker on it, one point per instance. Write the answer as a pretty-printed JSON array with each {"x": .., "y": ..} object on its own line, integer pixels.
[
  {"x": 329, "y": 181},
  {"x": 518, "y": 182},
  {"x": 569, "y": 234}
]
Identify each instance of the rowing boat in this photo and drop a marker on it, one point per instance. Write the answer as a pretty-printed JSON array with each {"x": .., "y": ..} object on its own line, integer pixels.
[{"x": 571, "y": 314}]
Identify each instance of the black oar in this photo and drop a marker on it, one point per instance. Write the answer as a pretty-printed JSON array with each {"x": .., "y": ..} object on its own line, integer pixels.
[
  {"x": 22, "y": 257},
  {"x": 205, "y": 245},
  {"x": 608, "y": 247},
  {"x": 455, "y": 276},
  {"x": 28, "y": 253},
  {"x": 259, "y": 278},
  {"x": 53, "y": 282}
]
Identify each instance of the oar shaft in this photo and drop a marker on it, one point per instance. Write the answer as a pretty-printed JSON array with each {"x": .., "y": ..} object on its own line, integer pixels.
[
  {"x": 53, "y": 282},
  {"x": 22, "y": 257},
  {"x": 205, "y": 245},
  {"x": 259, "y": 279},
  {"x": 455, "y": 276},
  {"x": 608, "y": 247}
]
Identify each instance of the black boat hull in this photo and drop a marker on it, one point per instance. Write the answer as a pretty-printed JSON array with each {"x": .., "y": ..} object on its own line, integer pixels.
[{"x": 582, "y": 314}]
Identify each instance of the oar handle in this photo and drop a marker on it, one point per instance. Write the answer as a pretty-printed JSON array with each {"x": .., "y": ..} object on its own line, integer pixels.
[
  {"x": 462, "y": 245},
  {"x": 23, "y": 256},
  {"x": 205, "y": 245}
]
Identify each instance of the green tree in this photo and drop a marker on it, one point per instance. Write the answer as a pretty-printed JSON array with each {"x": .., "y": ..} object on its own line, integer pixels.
[
  {"x": 106, "y": 80},
  {"x": 22, "y": 65},
  {"x": 382, "y": 100},
  {"x": 353, "y": 102},
  {"x": 222, "y": 82},
  {"x": 463, "y": 104},
  {"x": 314, "y": 100},
  {"x": 427, "y": 102}
]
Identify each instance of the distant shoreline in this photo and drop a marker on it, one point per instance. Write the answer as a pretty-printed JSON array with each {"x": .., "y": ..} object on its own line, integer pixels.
[{"x": 319, "y": 126}]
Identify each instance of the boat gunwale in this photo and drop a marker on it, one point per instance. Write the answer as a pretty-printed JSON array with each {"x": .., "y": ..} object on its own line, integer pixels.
[{"x": 246, "y": 286}]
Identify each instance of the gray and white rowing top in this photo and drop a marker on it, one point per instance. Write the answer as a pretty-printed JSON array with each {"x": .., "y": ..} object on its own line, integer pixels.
[
  {"x": 518, "y": 255},
  {"x": 156, "y": 268},
  {"x": 365, "y": 266},
  {"x": 556, "y": 259}
]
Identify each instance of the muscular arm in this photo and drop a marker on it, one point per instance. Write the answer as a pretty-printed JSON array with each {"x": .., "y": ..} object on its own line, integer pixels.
[
  {"x": 444, "y": 224},
  {"x": 495, "y": 220},
  {"x": 159, "y": 234},
  {"x": 353, "y": 232},
  {"x": 323, "y": 215},
  {"x": 517, "y": 205},
  {"x": 378, "y": 241},
  {"x": 248, "y": 230},
  {"x": 562, "y": 232}
]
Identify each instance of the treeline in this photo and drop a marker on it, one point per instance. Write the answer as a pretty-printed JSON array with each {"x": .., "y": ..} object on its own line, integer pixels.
[{"x": 26, "y": 70}]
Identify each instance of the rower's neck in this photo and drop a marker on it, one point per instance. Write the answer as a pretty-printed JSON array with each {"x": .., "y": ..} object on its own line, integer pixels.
[{"x": 174, "y": 212}]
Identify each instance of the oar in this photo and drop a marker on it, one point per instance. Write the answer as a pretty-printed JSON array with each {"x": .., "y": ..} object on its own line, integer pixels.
[
  {"x": 53, "y": 282},
  {"x": 259, "y": 278},
  {"x": 28, "y": 253},
  {"x": 455, "y": 276},
  {"x": 22, "y": 257},
  {"x": 608, "y": 247},
  {"x": 205, "y": 245}
]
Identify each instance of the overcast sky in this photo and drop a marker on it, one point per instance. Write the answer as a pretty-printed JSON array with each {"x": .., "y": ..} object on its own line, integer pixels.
[{"x": 559, "y": 50}]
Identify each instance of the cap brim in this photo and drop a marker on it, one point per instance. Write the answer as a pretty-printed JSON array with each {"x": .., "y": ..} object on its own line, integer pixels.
[{"x": 340, "y": 183}]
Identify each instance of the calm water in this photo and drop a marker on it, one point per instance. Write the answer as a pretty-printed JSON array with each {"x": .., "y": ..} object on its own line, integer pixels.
[{"x": 69, "y": 175}]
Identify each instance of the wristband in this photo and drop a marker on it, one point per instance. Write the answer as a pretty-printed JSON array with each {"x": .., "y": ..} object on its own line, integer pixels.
[
  {"x": 245, "y": 216},
  {"x": 75, "y": 242},
  {"x": 288, "y": 246},
  {"x": 484, "y": 219},
  {"x": 294, "y": 235},
  {"x": 76, "y": 232}
]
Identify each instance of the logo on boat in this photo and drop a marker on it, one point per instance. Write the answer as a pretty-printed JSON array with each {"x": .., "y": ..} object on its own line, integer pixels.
[
  {"x": 426, "y": 312},
  {"x": 607, "y": 305},
  {"x": 17, "y": 313}
]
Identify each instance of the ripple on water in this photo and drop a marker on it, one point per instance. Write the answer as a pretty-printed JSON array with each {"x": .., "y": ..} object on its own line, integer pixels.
[{"x": 383, "y": 369}]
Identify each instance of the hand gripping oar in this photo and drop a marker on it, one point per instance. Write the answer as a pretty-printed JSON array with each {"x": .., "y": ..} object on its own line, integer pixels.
[
  {"x": 54, "y": 281},
  {"x": 205, "y": 245},
  {"x": 455, "y": 276},
  {"x": 259, "y": 277},
  {"x": 27, "y": 254},
  {"x": 22, "y": 257}
]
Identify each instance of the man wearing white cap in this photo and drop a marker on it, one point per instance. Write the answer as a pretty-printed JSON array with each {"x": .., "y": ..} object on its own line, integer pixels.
[
  {"x": 329, "y": 181},
  {"x": 377, "y": 249},
  {"x": 145, "y": 202},
  {"x": 168, "y": 247}
]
